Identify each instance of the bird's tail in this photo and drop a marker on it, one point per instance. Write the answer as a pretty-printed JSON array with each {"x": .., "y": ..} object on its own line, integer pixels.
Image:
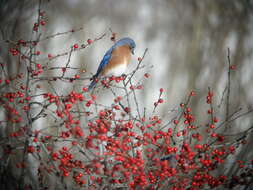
[{"x": 92, "y": 84}]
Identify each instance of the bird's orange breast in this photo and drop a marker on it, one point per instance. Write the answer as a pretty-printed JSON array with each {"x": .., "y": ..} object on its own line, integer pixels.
[{"x": 120, "y": 55}]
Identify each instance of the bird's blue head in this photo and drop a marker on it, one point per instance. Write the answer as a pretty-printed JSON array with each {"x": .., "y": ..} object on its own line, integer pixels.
[{"x": 129, "y": 41}]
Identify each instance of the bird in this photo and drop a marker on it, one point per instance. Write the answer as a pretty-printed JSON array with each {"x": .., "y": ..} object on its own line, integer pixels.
[{"x": 115, "y": 60}]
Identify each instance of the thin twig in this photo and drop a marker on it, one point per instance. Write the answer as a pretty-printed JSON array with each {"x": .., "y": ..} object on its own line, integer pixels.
[
  {"x": 26, "y": 143},
  {"x": 136, "y": 102},
  {"x": 228, "y": 85},
  {"x": 233, "y": 119},
  {"x": 137, "y": 68},
  {"x": 68, "y": 62},
  {"x": 222, "y": 97}
]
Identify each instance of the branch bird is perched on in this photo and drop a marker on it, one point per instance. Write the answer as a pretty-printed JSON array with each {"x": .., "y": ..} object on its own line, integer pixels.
[{"x": 115, "y": 60}]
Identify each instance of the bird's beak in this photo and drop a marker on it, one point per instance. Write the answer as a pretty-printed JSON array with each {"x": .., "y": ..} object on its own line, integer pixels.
[{"x": 132, "y": 50}]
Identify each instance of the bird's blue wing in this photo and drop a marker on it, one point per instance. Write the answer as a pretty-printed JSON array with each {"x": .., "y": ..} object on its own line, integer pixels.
[{"x": 103, "y": 63}]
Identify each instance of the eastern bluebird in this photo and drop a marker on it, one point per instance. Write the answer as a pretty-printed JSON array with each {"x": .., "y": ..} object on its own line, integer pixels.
[{"x": 115, "y": 60}]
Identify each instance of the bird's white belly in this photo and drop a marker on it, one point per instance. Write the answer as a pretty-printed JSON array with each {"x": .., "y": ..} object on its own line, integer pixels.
[{"x": 118, "y": 70}]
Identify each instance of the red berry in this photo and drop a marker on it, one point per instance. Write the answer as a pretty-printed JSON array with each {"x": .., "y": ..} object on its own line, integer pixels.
[
  {"x": 30, "y": 149},
  {"x": 233, "y": 67},
  {"x": 146, "y": 75},
  {"x": 35, "y": 27},
  {"x": 89, "y": 41},
  {"x": 175, "y": 122},
  {"x": 7, "y": 81},
  {"x": 160, "y": 100},
  {"x": 215, "y": 120},
  {"x": 192, "y": 93},
  {"x": 42, "y": 22},
  {"x": 49, "y": 55},
  {"x": 85, "y": 89},
  {"x": 38, "y": 66},
  {"x": 75, "y": 46}
]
